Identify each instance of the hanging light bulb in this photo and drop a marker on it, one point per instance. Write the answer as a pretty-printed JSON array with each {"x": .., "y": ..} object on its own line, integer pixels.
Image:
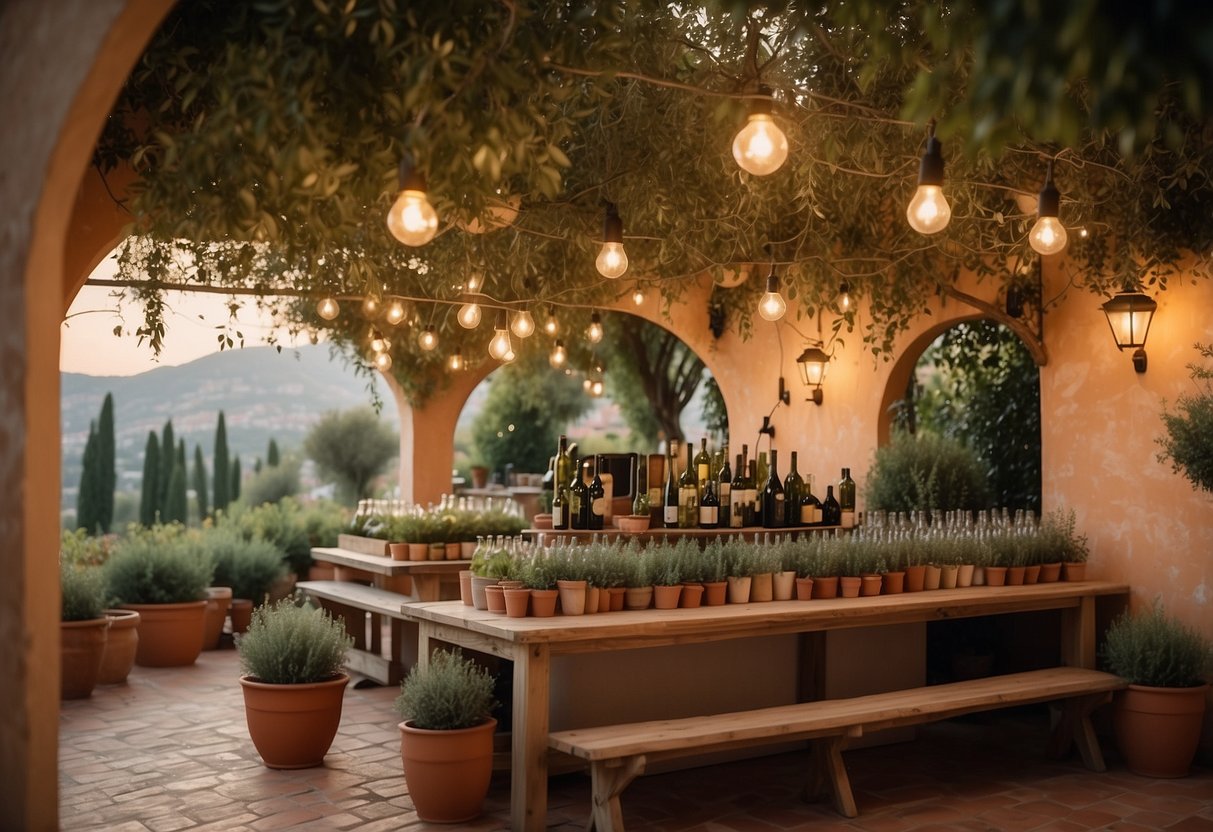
[
  {"x": 594, "y": 331},
  {"x": 411, "y": 219},
  {"x": 469, "y": 315},
  {"x": 378, "y": 342},
  {"x": 929, "y": 211},
  {"x": 551, "y": 326},
  {"x": 612, "y": 259},
  {"x": 559, "y": 356},
  {"x": 772, "y": 306},
  {"x": 395, "y": 313},
  {"x": 370, "y": 306},
  {"x": 428, "y": 339},
  {"x": 383, "y": 361},
  {"x": 455, "y": 362},
  {"x": 760, "y": 147},
  {"x": 499, "y": 346},
  {"x": 638, "y": 296},
  {"x": 844, "y": 297},
  {"x": 586, "y": 384},
  {"x": 1048, "y": 236},
  {"x": 596, "y": 388},
  {"x": 523, "y": 324},
  {"x": 328, "y": 308},
  {"x": 509, "y": 356}
]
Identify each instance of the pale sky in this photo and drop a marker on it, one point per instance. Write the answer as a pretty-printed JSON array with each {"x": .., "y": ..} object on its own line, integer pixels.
[{"x": 88, "y": 344}]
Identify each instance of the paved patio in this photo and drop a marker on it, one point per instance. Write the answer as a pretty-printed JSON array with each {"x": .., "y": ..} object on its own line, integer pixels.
[{"x": 169, "y": 751}]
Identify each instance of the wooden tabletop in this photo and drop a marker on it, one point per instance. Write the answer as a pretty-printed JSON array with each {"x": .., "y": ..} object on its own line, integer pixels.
[{"x": 381, "y": 565}]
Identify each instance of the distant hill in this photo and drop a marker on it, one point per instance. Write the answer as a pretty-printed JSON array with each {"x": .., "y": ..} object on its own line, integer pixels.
[{"x": 263, "y": 393}]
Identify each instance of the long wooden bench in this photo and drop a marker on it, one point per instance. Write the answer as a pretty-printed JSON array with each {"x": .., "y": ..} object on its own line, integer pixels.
[
  {"x": 351, "y": 602},
  {"x": 618, "y": 753}
]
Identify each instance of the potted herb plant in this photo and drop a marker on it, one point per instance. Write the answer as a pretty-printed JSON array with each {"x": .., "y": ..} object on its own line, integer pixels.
[
  {"x": 82, "y": 629},
  {"x": 293, "y": 682},
  {"x": 446, "y": 738},
  {"x": 1158, "y": 718}
]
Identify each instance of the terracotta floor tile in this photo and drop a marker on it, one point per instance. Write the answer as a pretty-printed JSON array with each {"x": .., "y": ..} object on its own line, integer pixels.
[{"x": 1192, "y": 824}]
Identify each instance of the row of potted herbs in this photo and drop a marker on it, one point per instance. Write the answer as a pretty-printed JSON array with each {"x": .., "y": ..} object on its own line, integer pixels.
[{"x": 441, "y": 534}]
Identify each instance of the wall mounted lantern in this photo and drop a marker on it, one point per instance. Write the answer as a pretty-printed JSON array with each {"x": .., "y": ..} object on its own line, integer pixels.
[
  {"x": 1129, "y": 315},
  {"x": 813, "y": 364}
]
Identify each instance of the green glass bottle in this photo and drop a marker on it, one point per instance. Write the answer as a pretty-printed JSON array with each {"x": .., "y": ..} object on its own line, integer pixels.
[
  {"x": 793, "y": 488},
  {"x": 688, "y": 494}
]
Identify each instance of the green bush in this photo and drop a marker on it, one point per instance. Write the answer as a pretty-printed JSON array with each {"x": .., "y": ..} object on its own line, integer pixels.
[
  {"x": 83, "y": 592},
  {"x": 80, "y": 548},
  {"x": 272, "y": 484},
  {"x": 1155, "y": 650},
  {"x": 291, "y": 645},
  {"x": 249, "y": 567},
  {"x": 1188, "y": 444},
  {"x": 926, "y": 472},
  {"x": 451, "y": 693},
  {"x": 161, "y": 565}
]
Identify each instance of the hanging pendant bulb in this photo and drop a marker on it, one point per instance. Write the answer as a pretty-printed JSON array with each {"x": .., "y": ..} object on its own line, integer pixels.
[
  {"x": 596, "y": 388},
  {"x": 383, "y": 361},
  {"x": 844, "y": 297},
  {"x": 395, "y": 313},
  {"x": 772, "y": 306},
  {"x": 328, "y": 308},
  {"x": 509, "y": 356},
  {"x": 1048, "y": 235},
  {"x": 760, "y": 147},
  {"x": 428, "y": 339},
  {"x": 559, "y": 356},
  {"x": 469, "y": 315},
  {"x": 638, "y": 296},
  {"x": 455, "y": 362},
  {"x": 378, "y": 342},
  {"x": 411, "y": 219},
  {"x": 551, "y": 326},
  {"x": 594, "y": 331},
  {"x": 499, "y": 346},
  {"x": 929, "y": 211},
  {"x": 370, "y": 306},
  {"x": 523, "y": 324},
  {"x": 612, "y": 259}
]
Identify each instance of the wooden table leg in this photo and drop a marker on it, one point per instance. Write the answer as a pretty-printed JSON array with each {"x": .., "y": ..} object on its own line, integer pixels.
[
  {"x": 1078, "y": 634},
  {"x": 425, "y": 634},
  {"x": 529, "y": 762}
]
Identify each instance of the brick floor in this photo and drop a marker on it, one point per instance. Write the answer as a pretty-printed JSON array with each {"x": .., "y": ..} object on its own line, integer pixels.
[{"x": 169, "y": 751}]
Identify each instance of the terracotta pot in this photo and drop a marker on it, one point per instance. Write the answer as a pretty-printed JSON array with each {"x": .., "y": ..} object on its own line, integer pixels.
[
  {"x": 120, "y": 644},
  {"x": 542, "y": 521},
  {"x": 1031, "y": 574},
  {"x": 572, "y": 597},
  {"x": 241, "y": 614},
  {"x": 516, "y": 602},
  {"x": 419, "y": 551},
  {"x": 81, "y": 649},
  {"x": 979, "y": 576},
  {"x": 715, "y": 593},
  {"x": 996, "y": 575},
  {"x": 292, "y": 726},
  {"x": 848, "y": 586},
  {"x": 894, "y": 583},
  {"x": 447, "y": 772},
  {"x": 543, "y": 602},
  {"x": 692, "y": 596},
  {"x": 591, "y": 600},
  {"x": 948, "y": 575},
  {"x": 604, "y": 599},
  {"x": 739, "y": 589},
  {"x": 479, "y": 601},
  {"x": 218, "y": 601},
  {"x": 170, "y": 635},
  {"x": 762, "y": 587},
  {"x": 453, "y": 551},
  {"x": 617, "y": 594},
  {"x": 915, "y": 578},
  {"x": 825, "y": 587},
  {"x": 1050, "y": 572},
  {"x": 465, "y": 586},
  {"x": 466, "y": 549},
  {"x": 437, "y": 551},
  {"x": 964, "y": 575},
  {"x": 494, "y": 595},
  {"x": 480, "y": 476},
  {"x": 804, "y": 589},
  {"x": 510, "y": 584},
  {"x": 1158, "y": 729},
  {"x": 666, "y": 597},
  {"x": 783, "y": 585},
  {"x": 870, "y": 584},
  {"x": 1076, "y": 571},
  {"x": 321, "y": 572},
  {"x": 638, "y": 597},
  {"x": 1015, "y": 575},
  {"x": 931, "y": 577},
  {"x": 398, "y": 551}
]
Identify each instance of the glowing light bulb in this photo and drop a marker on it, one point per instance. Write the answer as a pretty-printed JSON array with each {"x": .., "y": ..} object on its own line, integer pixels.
[
  {"x": 469, "y": 315},
  {"x": 929, "y": 211},
  {"x": 559, "y": 356},
  {"x": 378, "y": 342},
  {"x": 760, "y": 147},
  {"x": 772, "y": 306},
  {"x": 395, "y": 313},
  {"x": 455, "y": 362},
  {"x": 428, "y": 339},
  {"x": 586, "y": 384},
  {"x": 594, "y": 330},
  {"x": 370, "y": 306},
  {"x": 612, "y": 259},
  {"x": 523, "y": 324},
  {"x": 412, "y": 219},
  {"x": 509, "y": 356},
  {"x": 638, "y": 297},
  {"x": 551, "y": 326},
  {"x": 596, "y": 389},
  {"x": 328, "y": 309},
  {"x": 499, "y": 346},
  {"x": 844, "y": 297},
  {"x": 1048, "y": 236},
  {"x": 383, "y": 361}
]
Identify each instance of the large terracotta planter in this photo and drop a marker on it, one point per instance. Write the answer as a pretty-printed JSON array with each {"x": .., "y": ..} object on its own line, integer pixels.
[
  {"x": 218, "y": 601},
  {"x": 447, "y": 772},
  {"x": 81, "y": 647},
  {"x": 293, "y": 726},
  {"x": 120, "y": 643},
  {"x": 170, "y": 635},
  {"x": 1158, "y": 729}
]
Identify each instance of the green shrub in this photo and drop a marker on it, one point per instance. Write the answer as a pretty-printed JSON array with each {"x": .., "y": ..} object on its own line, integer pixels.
[
  {"x": 281, "y": 524},
  {"x": 1188, "y": 444},
  {"x": 291, "y": 645},
  {"x": 80, "y": 548},
  {"x": 249, "y": 567},
  {"x": 927, "y": 472},
  {"x": 1152, "y": 649},
  {"x": 161, "y": 565},
  {"x": 451, "y": 693},
  {"x": 272, "y": 484},
  {"x": 83, "y": 592}
]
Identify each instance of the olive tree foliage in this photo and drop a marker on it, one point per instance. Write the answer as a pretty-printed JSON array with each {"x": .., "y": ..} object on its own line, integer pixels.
[
  {"x": 353, "y": 447},
  {"x": 266, "y": 138}
]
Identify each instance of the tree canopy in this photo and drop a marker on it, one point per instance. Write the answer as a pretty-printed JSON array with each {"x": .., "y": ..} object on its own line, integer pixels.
[{"x": 353, "y": 447}]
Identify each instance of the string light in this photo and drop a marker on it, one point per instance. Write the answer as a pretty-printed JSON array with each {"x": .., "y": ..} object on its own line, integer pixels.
[
  {"x": 455, "y": 362},
  {"x": 523, "y": 324},
  {"x": 638, "y": 296},
  {"x": 383, "y": 361},
  {"x": 328, "y": 308},
  {"x": 612, "y": 259},
  {"x": 469, "y": 315},
  {"x": 395, "y": 313},
  {"x": 412, "y": 219},
  {"x": 929, "y": 212},
  {"x": 499, "y": 346},
  {"x": 594, "y": 331},
  {"x": 772, "y": 306},
  {"x": 551, "y": 326},
  {"x": 370, "y": 306},
  {"x": 760, "y": 147},
  {"x": 428, "y": 339},
  {"x": 558, "y": 357},
  {"x": 844, "y": 297},
  {"x": 378, "y": 342},
  {"x": 1048, "y": 235}
]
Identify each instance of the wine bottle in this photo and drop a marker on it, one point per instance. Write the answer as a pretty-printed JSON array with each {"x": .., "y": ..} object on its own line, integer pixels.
[
  {"x": 709, "y": 506},
  {"x": 793, "y": 488},
  {"x": 846, "y": 499},
  {"x": 703, "y": 467},
  {"x": 577, "y": 496},
  {"x": 597, "y": 495},
  {"x": 831, "y": 511},
  {"x": 688, "y": 494},
  {"x": 724, "y": 491},
  {"x": 773, "y": 498},
  {"x": 670, "y": 517},
  {"x": 810, "y": 506},
  {"x": 752, "y": 514},
  {"x": 560, "y": 515},
  {"x": 737, "y": 497},
  {"x": 564, "y": 463},
  {"x": 640, "y": 502}
]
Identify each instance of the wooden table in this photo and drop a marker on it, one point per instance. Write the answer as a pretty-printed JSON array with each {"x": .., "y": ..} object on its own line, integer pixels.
[
  {"x": 530, "y": 644},
  {"x": 426, "y": 575}
]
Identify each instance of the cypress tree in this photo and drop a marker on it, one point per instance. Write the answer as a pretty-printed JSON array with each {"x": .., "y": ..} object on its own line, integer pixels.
[
  {"x": 107, "y": 479},
  {"x": 174, "y": 510},
  {"x": 200, "y": 492},
  {"x": 168, "y": 447},
  {"x": 234, "y": 489},
  {"x": 271, "y": 455},
  {"x": 87, "y": 508},
  {"x": 221, "y": 475},
  {"x": 179, "y": 484},
  {"x": 149, "y": 499},
  {"x": 257, "y": 465}
]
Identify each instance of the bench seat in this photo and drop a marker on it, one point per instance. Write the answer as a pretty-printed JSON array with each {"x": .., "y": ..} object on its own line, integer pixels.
[
  {"x": 618, "y": 753},
  {"x": 351, "y": 602}
]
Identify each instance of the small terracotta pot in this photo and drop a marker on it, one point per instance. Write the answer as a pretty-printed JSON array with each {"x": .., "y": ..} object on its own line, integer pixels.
[
  {"x": 979, "y": 576},
  {"x": 465, "y": 586},
  {"x": 1076, "y": 571},
  {"x": 398, "y": 551},
  {"x": 692, "y": 595},
  {"x": 1015, "y": 575},
  {"x": 292, "y": 726},
  {"x": 870, "y": 584},
  {"x": 948, "y": 575},
  {"x": 240, "y": 614},
  {"x": 894, "y": 583},
  {"x": 453, "y": 551},
  {"x": 517, "y": 600},
  {"x": 930, "y": 578},
  {"x": 804, "y": 589},
  {"x": 494, "y": 596},
  {"x": 617, "y": 594},
  {"x": 825, "y": 587},
  {"x": 510, "y": 584},
  {"x": 1031, "y": 574},
  {"x": 666, "y": 597},
  {"x": 543, "y": 602},
  {"x": 466, "y": 549},
  {"x": 437, "y": 551},
  {"x": 715, "y": 593},
  {"x": 572, "y": 597},
  {"x": 591, "y": 600},
  {"x": 849, "y": 586},
  {"x": 121, "y": 643},
  {"x": 604, "y": 599},
  {"x": 638, "y": 597},
  {"x": 739, "y": 589},
  {"x": 915, "y": 578},
  {"x": 996, "y": 576},
  {"x": 82, "y": 649},
  {"x": 1050, "y": 572},
  {"x": 419, "y": 551},
  {"x": 964, "y": 575},
  {"x": 783, "y": 585},
  {"x": 762, "y": 587}
]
